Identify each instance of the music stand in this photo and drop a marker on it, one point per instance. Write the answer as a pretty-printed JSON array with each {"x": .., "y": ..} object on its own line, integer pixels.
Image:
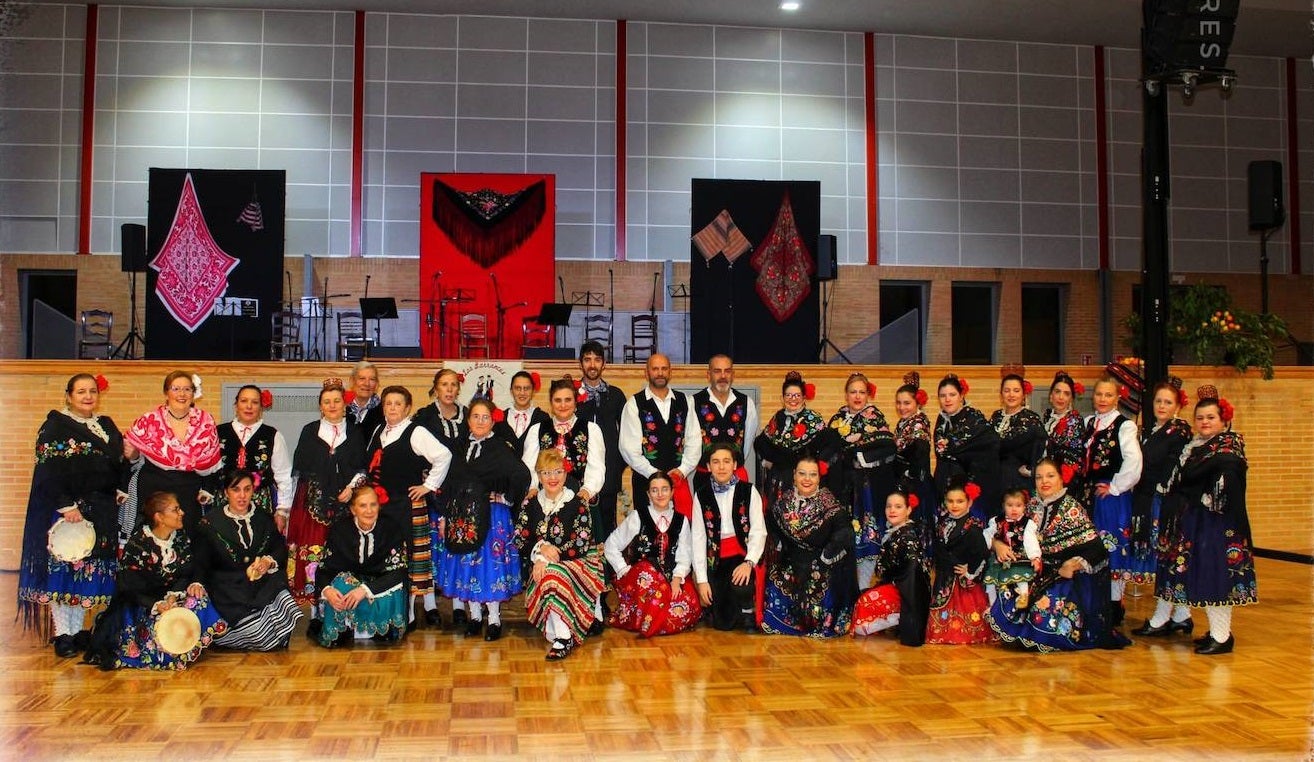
[
  {"x": 555, "y": 314},
  {"x": 377, "y": 308}
]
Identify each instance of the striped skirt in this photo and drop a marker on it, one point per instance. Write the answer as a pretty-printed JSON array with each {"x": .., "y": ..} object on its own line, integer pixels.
[
  {"x": 421, "y": 555},
  {"x": 265, "y": 630},
  {"x": 569, "y": 589}
]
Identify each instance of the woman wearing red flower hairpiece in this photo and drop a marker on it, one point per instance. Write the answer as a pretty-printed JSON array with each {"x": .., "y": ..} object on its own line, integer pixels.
[
  {"x": 1021, "y": 433},
  {"x": 958, "y": 600},
  {"x": 249, "y": 444},
  {"x": 901, "y": 595},
  {"x": 1206, "y": 554},
  {"x": 1065, "y": 431},
  {"x": 864, "y": 469},
  {"x": 966, "y": 448},
  {"x": 794, "y": 430},
  {"x": 912, "y": 443},
  {"x": 523, "y": 413},
  {"x": 445, "y": 418}
]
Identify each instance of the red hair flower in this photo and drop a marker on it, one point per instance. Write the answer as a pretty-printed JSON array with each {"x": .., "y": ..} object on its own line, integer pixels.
[
  {"x": 1182, "y": 399},
  {"x": 972, "y": 490},
  {"x": 823, "y": 467},
  {"x": 1028, "y": 387},
  {"x": 460, "y": 377},
  {"x": 963, "y": 383},
  {"x": 1078, "y": 388},
  {"x": 102, "y": 383},
  {"x": 913, "y": 502},
  {"x": 1067, "y": 472},
  {"x": 499, "y": 415},
  {"x": 266, "y": 399},
  {"x": 809, "y": 391},
  {"x": 581, "y": 396},
  {"x": 382, "y": 494},
  {"x": 350, "y": 397},
  {"x": 871, "y": 389},
  {"x": 741, "y": 474},
  {"x": 576, "y": 383},
  {"x": 1124, "y": 392},
  {"x": 1225, "y": 410},
  {"x": 921, "y": 397},
  {"x": 536, "y": 380}
]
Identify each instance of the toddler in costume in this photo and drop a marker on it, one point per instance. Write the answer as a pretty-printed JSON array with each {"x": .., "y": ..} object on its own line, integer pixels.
[{"x": 1018, "y": 531}]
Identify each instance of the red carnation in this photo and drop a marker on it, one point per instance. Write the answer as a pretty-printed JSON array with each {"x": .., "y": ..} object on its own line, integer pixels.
[
  {"x": 809, "y": 391},
  {"x": 800, "y": 430},
  {"x": 349, "y": 397},
  {"x": 973, "y": 491},
  {"x": 1078, "y": 388},
  {"x": 921, "y": 397},
  {"x": 102, "y": 383},
  {"x": 536, "y": 380},
  {"x": 741, "y": 474},
  {"x": 1028, "y": 387},
  {"x": 576, "y": 382},
  {"x": 913, "y": 502},
  {"x": 1067, "y": 472},
  {"x": 382, "y": 493},
  {"x": 1124, "y": 392},
  {"x": 266, "y": 399},
  {"x": 963, "y": 383},
  {"x": 581, "y": 397},
  {"x": 871, "y": 389},
  {"x": 1182, "y": 399},
  {"x": 499, "y": 415},
  {"x": 1225, "y": 410},
  {"x": 823, "y": 468}
]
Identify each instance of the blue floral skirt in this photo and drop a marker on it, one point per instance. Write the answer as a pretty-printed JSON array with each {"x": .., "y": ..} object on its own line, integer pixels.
[
  {"x": 86, "y": 583},
  {"x": 1065, "y": 616},
  {"x": 490, "y": 574},
  {"x": 1111, "y": 516},
  {"x": 1143, "y": 560},
  {"x": 137, "y": 646},
  {"x": 374, "y": 617}
]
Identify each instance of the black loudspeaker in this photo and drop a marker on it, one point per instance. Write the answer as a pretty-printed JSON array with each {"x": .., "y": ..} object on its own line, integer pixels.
[
  {"x": 1265, "y": 183},
  {"x": 827, "y": 258},
  {"x": 132, "y": 245}
]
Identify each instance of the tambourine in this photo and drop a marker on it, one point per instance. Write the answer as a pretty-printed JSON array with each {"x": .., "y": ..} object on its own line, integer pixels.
[
  {"x": 70, "y": 542},
  {"x": 177, "y": 631}
]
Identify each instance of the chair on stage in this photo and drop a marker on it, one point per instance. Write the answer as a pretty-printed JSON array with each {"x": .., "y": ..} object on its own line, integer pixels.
[
  {"x": 474, "y": 335},
  {"x": 353, "y": 344},
  {"x": 535, "y": 335},
  {"x": 598, "y": 328},
  {"x": 95, "y": 335},
  {"x": 285, "y": 338},
  {"x": 643, "y": 338}
]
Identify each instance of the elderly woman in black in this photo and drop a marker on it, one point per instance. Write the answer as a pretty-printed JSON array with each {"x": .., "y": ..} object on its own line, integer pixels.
[{"x": 243, "y": 564}]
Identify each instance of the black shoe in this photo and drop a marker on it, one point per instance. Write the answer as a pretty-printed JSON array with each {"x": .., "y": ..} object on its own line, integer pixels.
[
  {"x": 1203, "y": 640},
  {"x": 1183, "y": 627},
  {"x": 314, "y": 628},
  {"x": 64, "y": 646},
  {"x": 474, "y": 627},
  {"x": 561, "y": 648},
  {"x": 1119, "y": 613},
  {"x": 596, "y": 628},
  {"x": 459, "y": 618},
  {"x": 1213, "y": 647},
  {"x": 1148, "y": 630},
  {"x": 493, "y": 632},
  {"x": 432, "y": 618},
  {"x": 343, "y": 640}
]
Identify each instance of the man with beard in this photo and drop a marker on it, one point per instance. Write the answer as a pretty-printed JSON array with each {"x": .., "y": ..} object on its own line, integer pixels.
[
  {"x": 725, "y": 414},
  {"x": 658, "y": 431},
  {"x": 602, "y": 403}
]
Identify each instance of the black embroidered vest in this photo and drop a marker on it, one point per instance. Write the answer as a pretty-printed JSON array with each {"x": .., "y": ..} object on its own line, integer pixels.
[
  {"x": 647, "y": 545},
  {"x": 1103, "y": 451},
  {"x": 740, "y": 497},
  {"x": 716, "y": 427},
  {"x": 577, "y": 443},
  {"x": 667, "y": 452}
]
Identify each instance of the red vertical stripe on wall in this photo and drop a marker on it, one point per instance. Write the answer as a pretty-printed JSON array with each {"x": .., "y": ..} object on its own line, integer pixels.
[
  {"x": 88, "y": 128},
  {"x": 1293, "y": 169},
  {"x": 1101, "y": 157},
  {"x": 621, "y": 151},
  {"x": 873, "y": 160},
  {"x": 357, "y": 134}
]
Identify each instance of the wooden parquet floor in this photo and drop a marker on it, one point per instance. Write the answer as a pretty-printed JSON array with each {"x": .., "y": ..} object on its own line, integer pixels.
[{"x": 701, "y": 695}]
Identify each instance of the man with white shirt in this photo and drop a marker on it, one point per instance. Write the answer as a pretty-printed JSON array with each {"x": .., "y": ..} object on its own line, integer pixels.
[
  {"x": 724, "y": 413},
  {"x": 658, "y": 433},
  {"x": 729, "y": 538}
]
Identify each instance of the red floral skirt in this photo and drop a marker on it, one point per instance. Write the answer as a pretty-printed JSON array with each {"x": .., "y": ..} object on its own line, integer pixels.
[
  {"x": 962, "y": 618},
  {"x": 647, "y": 604}
]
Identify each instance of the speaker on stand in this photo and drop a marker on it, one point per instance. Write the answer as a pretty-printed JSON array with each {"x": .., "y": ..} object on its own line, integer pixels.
[
  {"x": 1264, "y": 181},
  {"x": 827, "y": 271},
  {"x": 132, "y": 260}
]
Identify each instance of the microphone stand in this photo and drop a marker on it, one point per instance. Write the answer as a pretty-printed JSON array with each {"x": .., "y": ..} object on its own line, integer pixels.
[
  {"x": 323, "y": 320},
  {"x": 501, "y": 314}
]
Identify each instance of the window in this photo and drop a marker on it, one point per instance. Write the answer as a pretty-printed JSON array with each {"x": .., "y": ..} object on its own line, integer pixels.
[
  {"x": 1044, "y": 309},
  {"x": 975, "y": 314},
  {"x": 903, "y": 321}
]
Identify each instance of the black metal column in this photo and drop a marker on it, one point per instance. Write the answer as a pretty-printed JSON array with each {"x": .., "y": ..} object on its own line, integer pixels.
[{"x": 1154, "y": 233}]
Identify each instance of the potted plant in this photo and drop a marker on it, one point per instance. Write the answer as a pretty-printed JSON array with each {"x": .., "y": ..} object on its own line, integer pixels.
[{"x": 1205, "y": 328}]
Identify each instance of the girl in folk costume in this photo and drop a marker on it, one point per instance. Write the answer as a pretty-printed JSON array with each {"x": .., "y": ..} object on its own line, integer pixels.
[
  {"x": 1206, "y": 556},
  {"x": 912, "y": 444},
  {"x": 329, "y": 463},
  {"x": 78, "y": 479},
  {"x": 790, "y": 433},
  {"x": 1018, "y": 560},
  {"x": 407, "y": 463},
  {"x": 445, "y": 418},
  {"x": 554, "y": 533},
  {"x": 651, "y": 553},
  {"x": 864, "y": 470},
  {"x": 1069, "y": 597},
  {"x": 242, "y": 560},
  {"x": 523, "y": 413},
  {"x": 362, "y": 582},
  {"x": 811, "y": 580},
  {"x": 479, "y": 563},
  {"x": 157, "y": 573},
  {"x": 1020, "y": 429},
  {"x": 579, "y": 442},
  {"x": 901, "y": 596},
  {"x": 966, "y": 447},
  {"x": 1112, "y": 469},
  {"x": 958, "y": 602},
  {"x": 179, "y": 448},
  {"x": 729, "y": 537},
  {"x": 249, "y": 444},
  {"x": 1065, "y": 431},
  {"x": 1162, "y": 442}
]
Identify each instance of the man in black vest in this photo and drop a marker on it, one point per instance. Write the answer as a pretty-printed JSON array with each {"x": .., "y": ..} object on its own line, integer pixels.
[
  {"x": 602, "y": 405},
  {"x": 725, "y": 414},
  {"x": 729, "y": 536},
  {"x": 658, "y": 432}
]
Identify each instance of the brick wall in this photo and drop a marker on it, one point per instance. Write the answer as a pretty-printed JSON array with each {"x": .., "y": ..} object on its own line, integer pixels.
[{"x": 1281, "y": 485}]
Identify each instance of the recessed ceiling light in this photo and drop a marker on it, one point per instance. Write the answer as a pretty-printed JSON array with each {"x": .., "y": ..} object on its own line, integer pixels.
[{"x": 790, "y": 5}]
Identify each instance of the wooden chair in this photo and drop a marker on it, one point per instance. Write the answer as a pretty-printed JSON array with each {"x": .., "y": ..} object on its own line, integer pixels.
[
  {"x": 285, "y": 338},
  {"x": 643, "y": 338},
  {"x": 353, "y": 345},
  {"x": 473, "y": 334},
  {"x": 598, "y": 328},
  {"x": 95, "y": 335},
  {"x": 534, "y": 334}
]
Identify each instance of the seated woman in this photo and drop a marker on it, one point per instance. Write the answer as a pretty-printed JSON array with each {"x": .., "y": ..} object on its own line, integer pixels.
[
  {"x": 362, "y": 579},
  {"x": 901, "y": 597},
  {"x": 243, "y": 561},
  {"x": 554, "y": 533},
  {"x": 157, "y": 573},
  {"x": 1069, "y": 598},
  {"x": 811, "y": 583},
  {"x": 730, "y": 534},
  {"x": 651, "y": 553}
]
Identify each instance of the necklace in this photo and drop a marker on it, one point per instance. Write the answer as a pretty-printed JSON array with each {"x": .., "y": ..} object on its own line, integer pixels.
[{"x": 182, "y": 417}]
